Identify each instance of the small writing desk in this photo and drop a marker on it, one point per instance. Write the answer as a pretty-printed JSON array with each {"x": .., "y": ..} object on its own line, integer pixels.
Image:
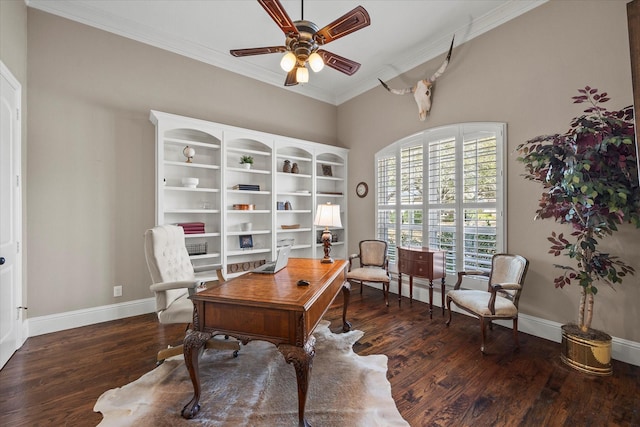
[
  {"x": 422, "y": 262},
  {"x": 268, "y": 307}
]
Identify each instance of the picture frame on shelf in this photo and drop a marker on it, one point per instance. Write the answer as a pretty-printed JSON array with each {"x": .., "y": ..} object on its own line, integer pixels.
[
  {"x": 246, "y": 241},
  {"x": 326, "y": 170}
]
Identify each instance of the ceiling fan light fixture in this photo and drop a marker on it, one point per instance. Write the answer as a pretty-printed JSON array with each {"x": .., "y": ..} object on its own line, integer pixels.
[
  {"x": 315, "y": 62},
  {"x": 302, "y": 75},
  {"x": 303, "y": 40},
  {"x": 288, "y": 61}
]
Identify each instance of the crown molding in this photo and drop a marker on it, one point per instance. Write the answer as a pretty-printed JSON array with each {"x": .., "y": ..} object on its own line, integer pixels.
[{"x": 86, "y": 14}]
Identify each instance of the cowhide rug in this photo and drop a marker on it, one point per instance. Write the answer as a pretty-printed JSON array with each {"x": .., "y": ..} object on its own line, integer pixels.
[{"x": 258, "y": 388}]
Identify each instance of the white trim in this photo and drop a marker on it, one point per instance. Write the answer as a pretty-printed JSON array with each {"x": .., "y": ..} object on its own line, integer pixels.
[
  {"x": 623, "y": 350},
  {"x": 89, "y": 316},
  {"x": 16, "y": 195},
  {"x": 405, "y": 60}
]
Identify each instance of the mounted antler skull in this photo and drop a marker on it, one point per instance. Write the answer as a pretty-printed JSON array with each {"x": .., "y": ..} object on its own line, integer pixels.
[{"x": 422, "y": 89}]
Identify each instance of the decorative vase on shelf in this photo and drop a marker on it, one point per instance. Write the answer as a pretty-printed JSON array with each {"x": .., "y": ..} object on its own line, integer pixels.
[
  {"x": 295, "y": 169},
  {"x": 246, "y": 161},
  {"x": 287, "y": 166}
]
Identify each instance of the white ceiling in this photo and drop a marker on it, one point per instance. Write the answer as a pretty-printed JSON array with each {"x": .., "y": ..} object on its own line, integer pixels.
[{"x": 403, "y": 33}]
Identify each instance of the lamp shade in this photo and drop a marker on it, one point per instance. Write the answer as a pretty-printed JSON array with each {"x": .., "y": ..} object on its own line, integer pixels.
[
  {"x": 328, "y": 215},
  {"x": 302, "y": 75},
  {"x": 316, "y": 62},
  {"x": 288, "y": 61}
]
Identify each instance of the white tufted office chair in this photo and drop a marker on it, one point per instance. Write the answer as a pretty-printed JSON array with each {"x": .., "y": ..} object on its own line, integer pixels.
[
  {"x": 500, "y": 300},
  {"x": 174, "y": 279}
]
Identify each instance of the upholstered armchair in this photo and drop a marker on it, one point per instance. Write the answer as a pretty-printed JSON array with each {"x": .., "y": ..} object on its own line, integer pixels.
[
  {"x": 174, "y": 279},
  {"x": 373, "y": 266},
  {"x": 500, "y": 300}
]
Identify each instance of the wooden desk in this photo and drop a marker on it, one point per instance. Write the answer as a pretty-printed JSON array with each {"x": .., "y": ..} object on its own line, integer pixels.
[
  {"x": 268, "y": 307},
  {"x": 422, "y": 262}
]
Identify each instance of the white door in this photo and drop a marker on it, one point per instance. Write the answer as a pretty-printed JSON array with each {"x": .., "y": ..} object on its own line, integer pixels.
[{"x": 10, "y": 216}]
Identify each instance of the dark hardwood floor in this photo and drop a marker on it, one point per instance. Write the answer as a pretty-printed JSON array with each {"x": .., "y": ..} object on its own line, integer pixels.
[{"x": 438, "y": 375}]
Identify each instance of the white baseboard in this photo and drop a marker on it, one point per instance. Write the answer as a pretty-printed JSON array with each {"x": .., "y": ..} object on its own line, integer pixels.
[
  {"x": 73, "y": 319},
  {"x": 621, "y": 349}
]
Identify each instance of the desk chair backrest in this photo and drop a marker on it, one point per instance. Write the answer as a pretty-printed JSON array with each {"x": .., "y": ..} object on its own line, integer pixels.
[
  {"x": 168, "y": 261},
  {"x": 508, "y": 268},
  {"x": 373, "y": 253}
]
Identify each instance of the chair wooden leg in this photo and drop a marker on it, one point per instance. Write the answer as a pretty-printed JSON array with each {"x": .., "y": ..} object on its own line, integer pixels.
[
  {"x": 212, "y": 343},
  {"x": 449, "y": 310},
  {"x": 167, "y": 353},
  {"x": 515, "y": 333},
  {"x": 483, "y": 333},
  {"x": 385, "y": 289}
]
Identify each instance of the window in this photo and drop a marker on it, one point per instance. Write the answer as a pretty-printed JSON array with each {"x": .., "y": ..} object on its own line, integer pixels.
[{"x": 443, "y": 188}]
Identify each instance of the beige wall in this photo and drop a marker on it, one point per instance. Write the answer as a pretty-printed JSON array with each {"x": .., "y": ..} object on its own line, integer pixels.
[
  {"x": 13, "y": 53},
  {"x": 523, "y": 73},
  {"x": 91, "y": 144},
  {"x": 91, "y": 151}
]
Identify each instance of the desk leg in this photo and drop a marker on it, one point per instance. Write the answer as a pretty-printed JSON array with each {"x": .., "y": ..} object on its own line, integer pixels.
[
  {"x": 399, "y": 288},
  {"x": 194, "y": 343},
  {"x": 430, "y": 299},
  {"x": 346, "y": 296},
  {"x": 302, "y": 359}
]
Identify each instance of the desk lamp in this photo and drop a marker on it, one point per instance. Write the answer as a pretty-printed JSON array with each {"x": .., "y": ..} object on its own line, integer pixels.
[{"x": 327, "y": 215}]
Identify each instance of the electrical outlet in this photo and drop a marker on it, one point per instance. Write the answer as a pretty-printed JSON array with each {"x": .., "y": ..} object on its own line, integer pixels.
[{"x": 117, "y": 291}]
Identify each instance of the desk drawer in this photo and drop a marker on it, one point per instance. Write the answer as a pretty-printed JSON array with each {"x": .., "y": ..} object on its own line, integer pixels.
[
  {"x": 419, "y": 269},
  {"x": 415, "y": 256}
]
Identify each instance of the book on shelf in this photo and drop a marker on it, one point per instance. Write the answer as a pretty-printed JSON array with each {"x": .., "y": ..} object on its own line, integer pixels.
[
  {"x": 194, "y": 231},
  {"x": 246, "y": 187},
  {"x": 192, "y": 227}
]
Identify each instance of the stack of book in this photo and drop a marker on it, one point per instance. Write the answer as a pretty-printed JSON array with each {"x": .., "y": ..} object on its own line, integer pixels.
[
  {"x": 192, "y": 227},
  {"x": 246, "y": 187}
]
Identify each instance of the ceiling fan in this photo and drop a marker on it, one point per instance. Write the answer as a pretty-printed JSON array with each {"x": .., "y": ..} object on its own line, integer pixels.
[{"x": 303, "y": 41}]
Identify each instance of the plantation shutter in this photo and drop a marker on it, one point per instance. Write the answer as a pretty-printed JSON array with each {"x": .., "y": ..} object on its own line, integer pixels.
[
  {"x": 386, "y": 202},
  {"x": 479, "y": 199},
  {"x": 443, "y": 188},
  {"x": 411, "y": 194}
]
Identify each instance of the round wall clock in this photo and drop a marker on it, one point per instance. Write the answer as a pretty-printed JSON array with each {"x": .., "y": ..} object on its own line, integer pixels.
[{"x": 362, "y": 189}]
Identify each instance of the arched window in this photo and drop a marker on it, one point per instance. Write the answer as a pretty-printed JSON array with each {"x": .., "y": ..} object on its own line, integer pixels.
[{"x": 443, "y": 188}]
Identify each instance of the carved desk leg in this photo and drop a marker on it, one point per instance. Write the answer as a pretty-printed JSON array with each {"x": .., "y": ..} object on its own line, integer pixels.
[
  {"x": 302, "y": 359},
  {"x": 346, "y": 296},
  {"x": 194, "y": 343}
]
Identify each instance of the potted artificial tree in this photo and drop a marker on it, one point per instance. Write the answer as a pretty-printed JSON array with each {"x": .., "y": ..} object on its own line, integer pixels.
[
  {"x": 590, "y": 181},
  {"x": 246, "y": 161}
]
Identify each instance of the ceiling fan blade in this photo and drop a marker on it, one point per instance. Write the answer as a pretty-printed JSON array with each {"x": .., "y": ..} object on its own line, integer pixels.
[
  {"x": 291, "y": 78},
  {"x": 279, "y": 15},
  {"x": 352, "y": 21},
  {"x": 338, "y": 62},
  {"x": 257, "y": 51}
]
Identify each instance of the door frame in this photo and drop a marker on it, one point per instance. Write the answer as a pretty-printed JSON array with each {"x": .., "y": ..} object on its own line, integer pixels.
[{"x": 20, "y": 328}]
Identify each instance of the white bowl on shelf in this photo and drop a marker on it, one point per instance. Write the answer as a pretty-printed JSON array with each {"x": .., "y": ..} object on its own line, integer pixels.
[{"x": 190, "y": 182}]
